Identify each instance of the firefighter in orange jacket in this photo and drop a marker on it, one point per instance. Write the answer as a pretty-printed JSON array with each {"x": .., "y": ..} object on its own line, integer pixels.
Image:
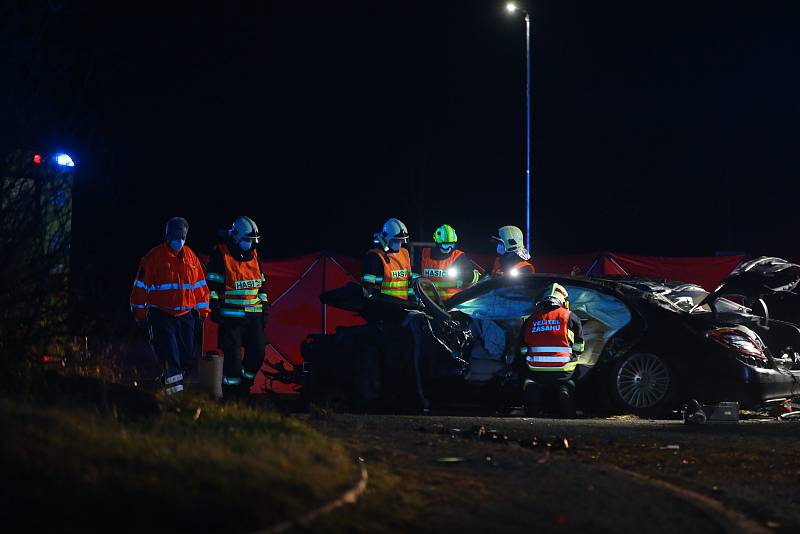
[
  {"x": 387, "y": 268},
  {"x": 169, "y": 294},
  {"x": 239, "y": 305},
  {"x": 449, "y": 269},
  {"x": 513, "y": 258},
  {"x": 552, "y": 339}
]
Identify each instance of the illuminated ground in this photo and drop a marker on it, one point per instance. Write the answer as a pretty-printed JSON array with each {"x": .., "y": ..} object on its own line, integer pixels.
[{"x": 751, "y": 469}]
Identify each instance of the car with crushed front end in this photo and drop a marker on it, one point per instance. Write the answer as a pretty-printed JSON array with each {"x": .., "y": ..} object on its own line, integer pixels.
[{"x": 651, "y": 344}]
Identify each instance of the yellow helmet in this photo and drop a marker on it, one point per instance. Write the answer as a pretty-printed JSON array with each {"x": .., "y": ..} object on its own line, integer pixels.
[
  {"x": 445, "y": 234},
  {"x": 556, "y": 292}
]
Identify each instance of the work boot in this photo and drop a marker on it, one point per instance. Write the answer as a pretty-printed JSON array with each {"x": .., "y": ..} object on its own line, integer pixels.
[
  {"x": 532, "y": 399},
  {"x": 231, "y": 389},
  {"x": 566, "y": 401}
]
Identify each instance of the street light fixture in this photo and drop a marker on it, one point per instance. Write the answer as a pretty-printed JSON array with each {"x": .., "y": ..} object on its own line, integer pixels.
[{"x": 512, "y": 8}]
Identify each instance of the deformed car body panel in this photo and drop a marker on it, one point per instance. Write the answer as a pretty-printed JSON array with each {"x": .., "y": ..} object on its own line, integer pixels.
[{"x": 701, "y": 337}]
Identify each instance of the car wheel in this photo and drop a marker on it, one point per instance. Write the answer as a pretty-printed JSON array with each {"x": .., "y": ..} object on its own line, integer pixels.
[{"x": 643, "y": 383}]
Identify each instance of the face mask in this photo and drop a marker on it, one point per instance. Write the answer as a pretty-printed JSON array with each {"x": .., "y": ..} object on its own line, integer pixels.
[
  {"x": 501, "y": 249},
  {"x": 176, "y": 244},
  {"x": 447, "y": 247},
  {"x": 395, "y": 245},
  {"x": 245, "y": 245}
]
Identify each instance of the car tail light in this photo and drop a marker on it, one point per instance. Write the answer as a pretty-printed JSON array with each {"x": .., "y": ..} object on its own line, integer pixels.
[{"x": 740, "y": 341}]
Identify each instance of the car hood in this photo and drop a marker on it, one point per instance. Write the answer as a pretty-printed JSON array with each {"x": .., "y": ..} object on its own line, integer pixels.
[
  {"x": 757, "y": 278},
  {"x": 354, "y": 297}
]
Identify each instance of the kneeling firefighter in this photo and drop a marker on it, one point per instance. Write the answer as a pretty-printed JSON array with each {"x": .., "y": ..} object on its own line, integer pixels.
[
  {"x": 552, "y": 339},
  {"x": 239, "y": 305},
  {"x": 512, "y": 257}
]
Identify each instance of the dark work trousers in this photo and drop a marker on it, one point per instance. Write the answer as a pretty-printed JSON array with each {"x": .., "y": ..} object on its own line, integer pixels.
[
  {"x": 172, "y": 339},
  {"x": 238, "y": 332},
  {"x": 547, "y": 385}
]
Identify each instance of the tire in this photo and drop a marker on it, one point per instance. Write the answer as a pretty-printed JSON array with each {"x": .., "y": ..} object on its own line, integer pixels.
[{"x": 643, "y": 383}]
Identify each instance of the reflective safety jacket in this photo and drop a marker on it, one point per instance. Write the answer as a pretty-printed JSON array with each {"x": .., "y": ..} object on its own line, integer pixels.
[
  {"x": 552, "y": 338},
  {"x": 238, "y": 287},
  {"x": 171, "y": 282},
  {"x": 521, "y": 266},
  {"x": 450, "y": 274},
  {"x": 389, "y": 272}
]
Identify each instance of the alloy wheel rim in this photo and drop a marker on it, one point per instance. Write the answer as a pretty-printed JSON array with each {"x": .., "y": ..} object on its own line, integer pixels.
[{"x": 643, "y": 380}]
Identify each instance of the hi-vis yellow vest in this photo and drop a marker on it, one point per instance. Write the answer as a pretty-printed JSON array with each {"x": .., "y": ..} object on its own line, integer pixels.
[{"x": 396, "y": 272}]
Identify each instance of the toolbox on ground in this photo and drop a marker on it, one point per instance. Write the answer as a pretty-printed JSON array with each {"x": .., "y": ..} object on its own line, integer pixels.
[{"x": 716, "y": 413}]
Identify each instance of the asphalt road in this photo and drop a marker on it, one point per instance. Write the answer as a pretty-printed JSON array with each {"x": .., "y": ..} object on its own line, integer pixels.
[{"x": 620, "y": 474}]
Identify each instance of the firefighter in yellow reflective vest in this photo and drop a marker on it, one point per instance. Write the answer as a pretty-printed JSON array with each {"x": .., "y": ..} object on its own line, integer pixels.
[
  {"x": 448, "y": 268},
  {"x": 552, "y": 339},
  {"x": 239, "y": 305},
  {"x": 387, "y": 267}
]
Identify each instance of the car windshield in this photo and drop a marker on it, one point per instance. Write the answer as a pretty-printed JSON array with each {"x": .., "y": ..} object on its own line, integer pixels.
[
  {"x": 497, "y": 315},
  {"x": 517, "y": 301}
]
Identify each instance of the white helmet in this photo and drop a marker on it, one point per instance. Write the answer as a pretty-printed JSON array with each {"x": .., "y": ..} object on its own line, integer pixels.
[
  {"x": 513, "y": 241},
  {"x": 244, "y": 228},
  {"x": 392, "y": 229}
]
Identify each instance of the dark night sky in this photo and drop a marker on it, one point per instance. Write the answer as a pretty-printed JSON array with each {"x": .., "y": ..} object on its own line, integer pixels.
[{"x": 665, "y": 128}]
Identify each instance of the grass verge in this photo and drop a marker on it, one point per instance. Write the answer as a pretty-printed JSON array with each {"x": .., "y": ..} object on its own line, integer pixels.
[{"x": 200, "y": 466}]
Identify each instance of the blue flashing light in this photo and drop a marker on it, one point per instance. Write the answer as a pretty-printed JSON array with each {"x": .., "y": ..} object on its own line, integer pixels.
[{"x": 64, "y": 160}]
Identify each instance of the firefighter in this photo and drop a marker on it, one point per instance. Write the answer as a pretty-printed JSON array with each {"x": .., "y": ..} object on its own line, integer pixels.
[
  {"x": 387, "y": 268},
  {"x": 512, "y": 258},
  {"x": 377, "y": 371},
  {"x": 552, "y": 339},
  {"x": 448, "y": 268},
  {"x": 239, "y": 305},
  {"x": 169, "y": 295}
]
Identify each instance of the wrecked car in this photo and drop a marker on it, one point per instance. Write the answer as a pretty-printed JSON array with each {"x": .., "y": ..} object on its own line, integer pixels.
[{"x": 651, "y": 345}]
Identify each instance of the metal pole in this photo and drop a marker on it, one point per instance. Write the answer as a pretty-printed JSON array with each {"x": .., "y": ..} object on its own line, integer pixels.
[
  {"x": 324, "y": 258},
  {"x": 528, "y": 127}
]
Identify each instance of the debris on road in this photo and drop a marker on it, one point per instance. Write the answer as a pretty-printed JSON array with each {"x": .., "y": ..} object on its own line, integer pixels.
[
  {"x": 722, "y": 412},
  {"x": 553, "y": 443},
  {"x": 451, "y": 460},
  {"x": 489, "y": 435},
  {"x": 625, "y": 417}
]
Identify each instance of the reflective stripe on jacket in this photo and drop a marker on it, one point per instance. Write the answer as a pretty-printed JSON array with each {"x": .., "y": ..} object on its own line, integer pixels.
[
  {"x": 436, "y": 270},
  {"x": 548, "y": 342},
  {"x": 396, "y": 273},
  {"x": 521, "y": 267},
  {"x": 175, "y": 283},
  {"x": 244, "y": 288}
]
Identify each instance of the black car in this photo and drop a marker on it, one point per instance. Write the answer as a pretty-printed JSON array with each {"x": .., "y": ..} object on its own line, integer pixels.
[{"x": 651, "y": 345}]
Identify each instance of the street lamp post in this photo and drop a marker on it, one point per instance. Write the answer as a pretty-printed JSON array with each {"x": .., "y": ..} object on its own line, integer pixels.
[{"x": 511, "y": 7}]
